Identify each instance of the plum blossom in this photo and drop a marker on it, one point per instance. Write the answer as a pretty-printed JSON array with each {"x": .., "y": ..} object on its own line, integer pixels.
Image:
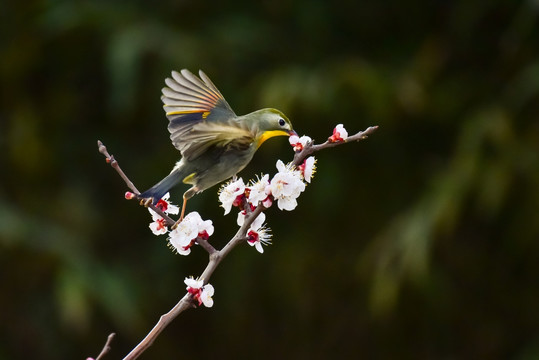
[
  {"x": 308, "y": 168},
  {"x": 200, "y": 292},
  {"x": 180, "y": 238},
  {"x": 188, "y": 230},
  {"x": 206, "y": 295},
  {"x": 339, "y": 134},
  {"x": 159, "y": 226},
  {"x": 256, "y": 223},
  {"x": 286, "y": 186},
  {"x": 229, "y": 193},
  {"x": 166, "y": 206},
  {"x": 205, "y": 229},
  {"x": 259, "y": 237},
  {"x": 193, "y": 284},
  {"x": 293, "y": 140},
  {"x": 298, "y": 143},
  {"x": 258, "y": 234},
  {"x": 259, "y": 191}
]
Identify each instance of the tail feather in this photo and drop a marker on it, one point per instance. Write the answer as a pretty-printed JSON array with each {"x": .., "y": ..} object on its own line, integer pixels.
[{"x": 162, "y": 187}]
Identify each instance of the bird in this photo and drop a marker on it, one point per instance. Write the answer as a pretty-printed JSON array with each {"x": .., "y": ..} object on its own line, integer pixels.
[{"x": 215, "y": 144}]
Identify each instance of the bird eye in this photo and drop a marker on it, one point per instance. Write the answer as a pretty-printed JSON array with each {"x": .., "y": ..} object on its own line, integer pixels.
[{"x": 281, "y": 122}]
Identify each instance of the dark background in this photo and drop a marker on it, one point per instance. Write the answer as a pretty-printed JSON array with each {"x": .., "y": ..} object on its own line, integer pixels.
[{"x": 421, "y": 242}]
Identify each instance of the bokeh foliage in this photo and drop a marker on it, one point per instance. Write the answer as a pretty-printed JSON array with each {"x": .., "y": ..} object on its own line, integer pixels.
[{"x": 421, "y": 242}]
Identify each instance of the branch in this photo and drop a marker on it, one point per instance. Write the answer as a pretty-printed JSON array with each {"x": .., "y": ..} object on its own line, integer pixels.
[
  {"x": 112, "y": 161},
  {"x": 106, "y": 348},
  {"x": 311, "y": 148},
  {"x": 215, "y": 256},
  {"x": 185, "y": 303}
]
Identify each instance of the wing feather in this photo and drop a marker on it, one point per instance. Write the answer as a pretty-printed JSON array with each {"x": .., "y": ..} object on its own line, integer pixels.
[
  {"x": 194, "y": 87},
  {"x": 182, "y": 90},
  {"x": 203, "y": 135},
  {"x": 185, "y": 97},
  {"x": 199, "y": 116}
]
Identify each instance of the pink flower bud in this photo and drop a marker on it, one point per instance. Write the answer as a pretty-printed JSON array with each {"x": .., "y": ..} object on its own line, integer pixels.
[
  {"x": 129, "y": 195},
  {"x": 268, "y": 202},
  {"x": 339, "y": 134}
]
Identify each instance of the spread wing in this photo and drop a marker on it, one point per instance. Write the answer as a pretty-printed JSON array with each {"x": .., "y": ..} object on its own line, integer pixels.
[{"x": 199, "y": 116}]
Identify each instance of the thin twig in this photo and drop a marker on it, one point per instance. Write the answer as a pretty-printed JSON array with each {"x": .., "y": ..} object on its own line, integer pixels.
[
  {"x": 185, "y": 303},
  {"x": 205, "y": 244},
  {"x": 112, "y": 161},
  {"x": 116, "y": 166},
  {"x": 106, "y": 348},
  {"x": 311, "y": 148}
]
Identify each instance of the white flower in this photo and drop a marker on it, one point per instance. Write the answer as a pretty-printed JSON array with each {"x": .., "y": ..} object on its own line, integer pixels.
[
  {"x": 258, "y": 234},
  {"x": 205, "y": 228},
  {"x": 170, "y": 208},
  {"x": 298, "y": 143},
  {"x": 193, "y": 283},
  {"x": 184, "y": 250},
  {"x": 166, "y": 206},
  {"x": 308, "y": 168},
  {"x": 342, "y": 131},
  {"x": 192, "y": 226},
  {"x": 229, "y": 193},
  {"x": 206, "y": 295},
  {"x": 159, "y": 226},
  {"x": 200, "y": 292},
  {"x": 255, "y": 224},
  {"x": 181, "y": 237},
  {"x": 339, "y": 134},
  {"x": 259, "y": 237},
  {"x": 293, "y": 139},
  {"x": 259, "y": 191},
  {"x": 286, "y": 186}
]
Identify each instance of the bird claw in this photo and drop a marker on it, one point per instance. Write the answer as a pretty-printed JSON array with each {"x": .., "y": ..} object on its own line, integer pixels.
[
  {"x": 173, "y": 227},
  {"x": 146, "y": 202}
]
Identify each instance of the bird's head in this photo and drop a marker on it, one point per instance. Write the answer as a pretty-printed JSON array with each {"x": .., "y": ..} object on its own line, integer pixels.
[{"x": 268, "y": 123}]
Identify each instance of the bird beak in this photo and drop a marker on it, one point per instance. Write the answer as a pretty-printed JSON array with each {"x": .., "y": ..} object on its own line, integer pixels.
[{"x": 292, "y": 132}]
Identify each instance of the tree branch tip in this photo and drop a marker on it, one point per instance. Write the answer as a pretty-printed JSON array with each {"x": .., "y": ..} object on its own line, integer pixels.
[
  {"x": 107, "y": 347},
  {"x": 102, "y": 148}
]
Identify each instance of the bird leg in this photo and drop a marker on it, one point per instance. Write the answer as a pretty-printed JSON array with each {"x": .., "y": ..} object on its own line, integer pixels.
[
  {"x": 181, "y": 214},
  {"x": 186, "y": 196}
]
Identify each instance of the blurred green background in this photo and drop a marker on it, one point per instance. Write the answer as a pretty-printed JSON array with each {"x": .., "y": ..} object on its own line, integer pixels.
[{"x": 421, "y": 242}]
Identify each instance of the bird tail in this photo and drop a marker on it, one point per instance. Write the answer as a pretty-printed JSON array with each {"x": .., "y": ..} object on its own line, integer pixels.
[{"x": 162, "y": 187}]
